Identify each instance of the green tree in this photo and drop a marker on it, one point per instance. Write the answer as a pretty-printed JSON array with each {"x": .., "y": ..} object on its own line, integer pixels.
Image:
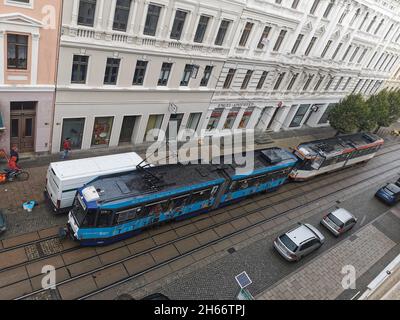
[
  {"x": 380, "y": 108},
  {"x": 351, "y": 114},
  {"x": 394, "y": 106}
]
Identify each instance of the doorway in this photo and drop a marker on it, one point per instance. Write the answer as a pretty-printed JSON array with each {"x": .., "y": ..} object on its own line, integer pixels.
[
  {"x": 127, "y": 130},
  {"x": 23, "y": 123},
  {"x": 174, "y": 125}
]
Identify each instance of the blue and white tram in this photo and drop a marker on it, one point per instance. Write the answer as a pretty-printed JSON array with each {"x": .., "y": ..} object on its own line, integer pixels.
[
  {"x": 323, "y": 156},
  {"x": 116, "y": 207}
]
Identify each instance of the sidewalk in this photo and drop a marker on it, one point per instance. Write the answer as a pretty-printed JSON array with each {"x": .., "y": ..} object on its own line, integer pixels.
[{"x": 322, "y": 277}]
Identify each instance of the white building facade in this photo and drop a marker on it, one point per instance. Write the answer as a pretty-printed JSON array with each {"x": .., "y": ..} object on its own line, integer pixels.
[
  {"x": 292, "y": 60},
  {"x": 129, "y": 66}
]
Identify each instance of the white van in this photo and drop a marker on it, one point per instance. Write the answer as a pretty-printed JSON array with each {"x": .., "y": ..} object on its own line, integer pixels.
[{"x": 64, "y": 178}]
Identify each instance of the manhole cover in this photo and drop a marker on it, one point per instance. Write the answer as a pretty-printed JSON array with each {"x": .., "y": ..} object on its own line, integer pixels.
[
  {"x": 232, "y": 250},
  {"x": 50, "y": 247},
  {"x": 32, "y": 252}
]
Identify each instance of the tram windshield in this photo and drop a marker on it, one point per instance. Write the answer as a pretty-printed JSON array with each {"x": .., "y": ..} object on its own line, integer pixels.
[{"x": 79, "y": 211}]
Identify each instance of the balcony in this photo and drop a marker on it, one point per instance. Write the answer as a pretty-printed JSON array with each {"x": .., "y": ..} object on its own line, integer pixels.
[{"x": 124, "y": 40}]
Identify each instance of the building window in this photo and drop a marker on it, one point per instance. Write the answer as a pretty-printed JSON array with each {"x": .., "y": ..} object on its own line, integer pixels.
[
  {"x": 230, "y": 120},
  {"x": 372, "y": 59},
  {"x": 346, "y": 53},
  {"x": 362, "y": 56},
  {"x": 328, "y": 44},
  {"x": 365, "y": 19},
  {"x": 318, "y": 84},
  {"x": 328, "y": 85},
  {"x": 153, "y": 127},
  {"x": 357, "y": 85},
  {"x": 371, "y": 24},
  {"x": 214, "y": 119},
  {"x": 17, "y": 52},
  {"x": 187, "y": 73},
  {"x": 337, "y": 50},
  {"x": 338, "y": 83},
  {"x": 79, "y": 69},
  {"x": 314, "y": 6},
  {"x": 329, "y": 8},
  {"x": 246, "y": 34},
  {"x": 246, "y": 118},
  {"x": 354, "y": 54},
  {"x": 280, "y": 39},
  {"x": 153, "y": 14},
  {"x": 194, "y": 121},
  {"x": 355, "y": 17},
  {"x": 206, "y": 77},
  {"x": 164, "y": 74},
  {"x": 229, "y": 78},
  {"x": 279, "y": 80},
  {"x": 295, "y": 3},
  {"x": 293, "y": 81},
  {"x": 140, "y": 73},
  {"x": 310, "y": 46},
  {"x": 387, "y": 34},
  {"x": 300, "y": 114},
  {"x": 179, "y": 23},
  {"x": 87, "y": 10},
  {"x": 307, "y": 84},
  {"x": 201, "y": 29},
  {"x": 111, "y": 74},
  {"x": 223, "y": 28},
  {"x": 121, "y": 15},
  {"x": 246, "y": 79},
  {"x": 379, "y": 26},
  {"x": 264, "y": 37},
  {"x": 346, "y": 84},
  {"x": 297, "y": 43},
  {"x": 325, "y": 117},
  {"x": 344, "y": 14},
  {"x": 102, "y": 131},
  {"x": 262, "y": 80}
]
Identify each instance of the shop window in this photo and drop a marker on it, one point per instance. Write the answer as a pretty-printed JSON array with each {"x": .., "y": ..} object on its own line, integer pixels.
[{"x": 102, "y": 131}]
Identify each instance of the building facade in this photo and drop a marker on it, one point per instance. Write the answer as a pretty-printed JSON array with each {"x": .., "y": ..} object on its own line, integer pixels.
[
  {"x": 292, "y": 60},
  {"x": 29, "y": 33},
  {"x": 129, "y": 66}
]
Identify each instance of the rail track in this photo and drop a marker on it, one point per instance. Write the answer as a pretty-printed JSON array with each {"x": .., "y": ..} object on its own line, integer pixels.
[{"x": 211, "y": 226}]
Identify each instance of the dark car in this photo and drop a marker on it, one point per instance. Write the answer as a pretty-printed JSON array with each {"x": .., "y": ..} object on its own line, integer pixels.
[
  {"x": 389, "y": 194},
  {"x": 3, "y": 225},
  {"x": 156, "y": 296}
]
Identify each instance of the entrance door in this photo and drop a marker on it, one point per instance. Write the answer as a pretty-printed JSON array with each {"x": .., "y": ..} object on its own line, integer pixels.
[
  {"x": 174, "y": 125},
  {"x": 128, "y": 125},
  {"x": 23, "y": 116},
  {"x": 73, "y": 129}
]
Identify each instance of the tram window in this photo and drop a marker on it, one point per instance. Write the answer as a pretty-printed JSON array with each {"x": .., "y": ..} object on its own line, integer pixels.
[
  {"x": 201, "y": 196},
  {"x": 177, "y": 203},
  {"x": 104, "y": 218},
  {"x": 157, "y": 208},
  {"x": 317, "y": 163},
  {"x": 90, "y": 219},
  {"x": 128, "y": 215}
]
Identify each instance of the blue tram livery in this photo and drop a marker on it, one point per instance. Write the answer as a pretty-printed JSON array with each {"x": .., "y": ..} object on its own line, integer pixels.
[{"x": 116, "y": 207}]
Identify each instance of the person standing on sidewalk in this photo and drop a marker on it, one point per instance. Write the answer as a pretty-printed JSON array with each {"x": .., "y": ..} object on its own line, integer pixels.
[{"x": 66, "y": 148}]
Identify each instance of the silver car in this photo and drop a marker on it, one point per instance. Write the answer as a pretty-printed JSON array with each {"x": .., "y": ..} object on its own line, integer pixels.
[
  {"x": 339, "y": 221},
  {"x": 299, "y": 242}
]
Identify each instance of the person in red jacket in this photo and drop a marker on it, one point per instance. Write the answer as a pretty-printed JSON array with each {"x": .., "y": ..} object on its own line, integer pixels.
[
  {"x": 66, "y": 148},
  {"x": 12, "y": 167}
]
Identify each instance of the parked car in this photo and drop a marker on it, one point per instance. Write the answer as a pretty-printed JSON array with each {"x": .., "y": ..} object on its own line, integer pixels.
[
  {"x": 339, "y": 221},
  {"x": 156, "y": 296},
  {"x": 3, "y": 225},
  {"x": 389, "y": 194},
  {"x": 299, "y": 242}
]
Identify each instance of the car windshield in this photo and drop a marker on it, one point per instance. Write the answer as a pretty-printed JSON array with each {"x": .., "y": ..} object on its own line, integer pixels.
[
  {"x": 393, "y": 188},
  {"x": 288, "y": 243},
  {"x": 335, "y": 220}
]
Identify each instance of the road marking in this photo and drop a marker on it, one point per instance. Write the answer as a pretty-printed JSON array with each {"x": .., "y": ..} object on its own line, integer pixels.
[{"x": 355, "y": 295}]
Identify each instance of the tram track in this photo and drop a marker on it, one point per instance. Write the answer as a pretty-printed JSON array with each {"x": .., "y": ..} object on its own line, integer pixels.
[
  {"x": 210, "y": 218},
  {"x": 237, "y": 206},
  {"x": 209, "y": 243},
  {"x": 241, "y": 204}
]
